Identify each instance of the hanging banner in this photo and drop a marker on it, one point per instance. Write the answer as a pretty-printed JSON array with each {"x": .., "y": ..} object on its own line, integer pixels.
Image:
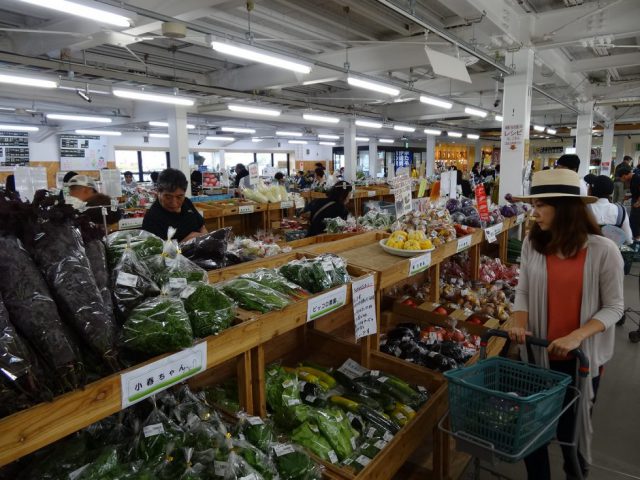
[{"x": 481, "y": 200}]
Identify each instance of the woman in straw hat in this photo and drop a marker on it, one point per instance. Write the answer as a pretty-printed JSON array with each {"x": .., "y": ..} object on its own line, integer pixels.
[{"x": 570, "y": 292}]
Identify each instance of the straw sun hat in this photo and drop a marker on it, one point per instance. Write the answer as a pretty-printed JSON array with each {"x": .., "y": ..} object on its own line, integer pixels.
[{"x": 555, "y": 183}]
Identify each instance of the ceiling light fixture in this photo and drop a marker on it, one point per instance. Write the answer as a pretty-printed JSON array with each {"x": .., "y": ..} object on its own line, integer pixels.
[
  {"x": 256, "y": 110},
  {"x": 153, "y": 97},
  {"x": 386, "y": 140},
  {"x": 18, "y": 128},
  {"x": 475, "y": 112},
  {"x": 166, "y": 124},
  {"x": 362, "y": 139},
  {"x": 551, "y": 131},
  {"x": 255, "y": 55},
  {"x": 108, "y": 133},
  {"x": 77, "y": 118},
  {"x": 328, "y": 137},
  {"x": 430, "y": 131},
  {"x": 332, "y": 144},
  {"x": 499, "y": 118},
  {"x": 73, "y": 8},
  {"x": 300, "y": 142},
  {"x": 237, "y": 130},
  {"x": 256, "y": 140},
  {"x": 220, "y": 138},
  {"x": 320, "y": 118},
  {"x": 473, "y": 136},
  {"x": 84, "y": 95},
  {"x": 454, "y": 134},
  {"x": 404, "y": 128},
  {"x": 538, "y": 128},
  {"x": 374, "y": 86},
  {"x": 436, "y": 102},
  {"x": 27, "y": 81},
  {"x": 159, "y": 135},
  {"x": 283, "y": 133},
  {"x": 368, "y": 124}
]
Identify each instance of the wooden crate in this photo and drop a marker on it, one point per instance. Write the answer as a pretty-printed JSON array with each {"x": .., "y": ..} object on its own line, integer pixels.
[
  {"x": 317, "y": 239},
  {"x": 309, "y": 344}
]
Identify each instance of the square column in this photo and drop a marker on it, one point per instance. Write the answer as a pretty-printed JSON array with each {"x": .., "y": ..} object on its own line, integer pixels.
[
  {"x": 607, "y": 147},
  {"x": 430, "y": 162},
  {"x": 350, "y": 151},
  {"x": 374, "y": 163},
  {"x": 179, "y": 142},
  {"x": 584, "y": 132}
]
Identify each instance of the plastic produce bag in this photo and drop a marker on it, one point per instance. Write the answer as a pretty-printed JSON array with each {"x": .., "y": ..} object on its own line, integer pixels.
[
  {"x": 34, "y": 313},
  {"x": 294, "y": 464},
  {"x": 142, "y": 242},
  {"x": 158, "y": 325},
  {"x": 97, "y": 255},
  {"x": 253, "y": 296},
  {"x": 272, "y": 279},
  {"x": 317, "y": 274},
  {"x": 308, "y": 436},
  {"x": 256, "y": 431},
  {"x": 210, "y": 248},
  {"x": 157, "y": 435},
  {"x": 257, "y": 459},
  {"x": 210, "y": 311}
]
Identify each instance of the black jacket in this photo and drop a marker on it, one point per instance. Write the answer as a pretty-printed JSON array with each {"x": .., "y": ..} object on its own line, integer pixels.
[{"x": 158, "y": 220}]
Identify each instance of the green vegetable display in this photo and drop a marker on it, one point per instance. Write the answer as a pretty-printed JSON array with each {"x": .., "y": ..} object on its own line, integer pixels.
[
  {"x": 332, "y": 424},
  {"x": 317, "y": 274},
  {"x": 156, "y": 326},
  {"x": 210, "y": 311},
  {"x": 308, "y": 435},
  {"x": 296, "y": 465},
  {"x": 143, "y": 243},
  {"x": 257, "y": 432},
  {"x": 272, "y": 279},
  {"x": 253, "y": 296}
]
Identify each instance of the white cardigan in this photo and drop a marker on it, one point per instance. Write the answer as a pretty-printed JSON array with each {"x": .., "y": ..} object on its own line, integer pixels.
[{"x": 602, "y": 299}]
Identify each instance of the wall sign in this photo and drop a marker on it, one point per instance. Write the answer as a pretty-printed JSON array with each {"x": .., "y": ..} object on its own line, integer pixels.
[
  {"x": 14, "y": 148},
  {"x": 82, "y": 152}
]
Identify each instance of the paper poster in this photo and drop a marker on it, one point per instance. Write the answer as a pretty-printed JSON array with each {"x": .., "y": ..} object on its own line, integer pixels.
[
  {"x": 513, "y": 136},
  {"x": 14, "y": 148},
  {"x": 364, "y": 307},
  {"x": 254, "y": 174},
  {"x": 82, "y": 152}
]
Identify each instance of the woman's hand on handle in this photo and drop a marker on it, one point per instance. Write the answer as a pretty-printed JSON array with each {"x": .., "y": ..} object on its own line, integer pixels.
[{"x": 518, "y": 332}]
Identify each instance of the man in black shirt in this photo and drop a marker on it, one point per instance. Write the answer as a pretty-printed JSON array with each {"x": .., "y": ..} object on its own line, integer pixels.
[{"x": 173, "y": 209}]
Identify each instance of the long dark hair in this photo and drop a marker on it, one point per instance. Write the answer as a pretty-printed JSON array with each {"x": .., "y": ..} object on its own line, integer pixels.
[
  {"x": 340, "y": 191},
  {"x": 572, "y": 224}
]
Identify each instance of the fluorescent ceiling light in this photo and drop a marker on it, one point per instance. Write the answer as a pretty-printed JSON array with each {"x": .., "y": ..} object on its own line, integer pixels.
[
  {"x": 18, "y": 128},
  {"x": 386, "y": 140},
  {"x": 454, "y": 134},
  {"x": 166, "y": 124},
  {"x": 78, "y": 118},
  {"x": 257, "y": 110},
  {"x": 473, "y": 136},
  {"x": 237, "y": 130},
  {"x": 368, "y": 124},
  {"x": 498, "y": 118},
  {"x": 73, "y": 8},
  {"x": 301, "y": 142},
  {"x": 255, "y": 55},
  {"x": 7, "y": 109},
  {"x": 475, "y": 112},
  {"x": 430, "y": 131},
  {"x": 27, "y": 81},
  {"x": 404, "y": 128},
  {"x": 551, "y": 131},
  {"x": 374, "y": 86},
  {"x": 256, "y": 140},
  {"x": 538, "y": 128},
  {"x": 320, "y": 118},
  {"x": 220, "y": 138},
  {"x": 436, "y": 102},
  {"x": 328, "y": 137},
  {"x": 283, "y": 133},
  {"x": 362, "y": 139},
  {"x": 159, "y": 135},
  {"x": 108, "y": 133},
  {"x": 153, "y": 97},
  {"x": 327, "y": 143}
]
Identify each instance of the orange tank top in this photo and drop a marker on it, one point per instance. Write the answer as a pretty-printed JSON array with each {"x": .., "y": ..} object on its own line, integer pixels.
[{"x": 564, "y": 295}]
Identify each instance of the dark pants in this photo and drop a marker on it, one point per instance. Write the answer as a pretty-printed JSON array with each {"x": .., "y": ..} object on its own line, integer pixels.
[
  {"x": 634, "y": 222},
  {"x": 537, "y": 463}
]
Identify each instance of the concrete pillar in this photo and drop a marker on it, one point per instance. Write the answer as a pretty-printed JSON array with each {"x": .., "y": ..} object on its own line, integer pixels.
[
  {"x": 584, "y": 133},
  {"x": 607, "y": 147},
  {"x": 391, "y": 168},
  {"x": 478, "y": 155},
  {"x": 516, "y": 111},
  {"x": 619, "y": 149},
  {"x": 350, "y": 151},
  {"x": 179, "y": 142},
  {"x": 430, "y": 155},
  {"x": 374, "y": 163}
]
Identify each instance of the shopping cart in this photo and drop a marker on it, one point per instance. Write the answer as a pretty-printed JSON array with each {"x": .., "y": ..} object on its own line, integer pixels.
[{"x": 503, "y": 410}]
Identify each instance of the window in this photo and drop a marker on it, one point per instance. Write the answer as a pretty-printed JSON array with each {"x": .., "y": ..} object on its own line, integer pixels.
[
  {"x": 264, "y": 160},
  {"x": 127, "y": 160},
  {"x": 233, "y": 158},
  {"x": 153, "y": 161},
  {"x": 281, "y": 162}
]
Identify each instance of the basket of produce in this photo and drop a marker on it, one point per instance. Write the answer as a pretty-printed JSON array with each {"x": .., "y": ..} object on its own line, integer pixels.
[{"x": 407, "y": 244}]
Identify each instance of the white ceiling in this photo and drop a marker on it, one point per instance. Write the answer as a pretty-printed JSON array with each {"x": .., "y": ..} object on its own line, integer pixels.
[{"x": 583, "y": 50}]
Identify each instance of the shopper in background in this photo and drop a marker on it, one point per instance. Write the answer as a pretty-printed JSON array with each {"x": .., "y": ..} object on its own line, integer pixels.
[
  {"x": 564, "y": 245},
  {"x": 572, "y": 162},
  {"x": 10, "y": 184},
  {"x": 94, "y": 214},
  {"x": 173, "y": 209},
  {"x": 154, "y": 179},
  {"x": 626, "y": 161},
  {"x": 280, "y": 180},
  {"x": 319, "y": 179},
  {"x": 81, "y": 189},
  {"x": 129, "y": 185},
  {"x": 588, "y": 180},
  {"x": 335, "y": 205},
  {"x": 608, "y": 214},
  {"x": 301, "y": 181},
  {"x": 68, "y": 176},
  {"x": 241, "y": 173},
  {"x": 633, "y": 179}
]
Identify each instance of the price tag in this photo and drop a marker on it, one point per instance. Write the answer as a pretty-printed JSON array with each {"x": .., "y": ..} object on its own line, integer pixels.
[
  {"x": 153, "y": 430},
  {"x": 293, "y": 401},
  {"x": 364, "y": 307},
  {"x": 352, "y": 369},
  {"x": 491, "y": 233},
  {"x": 464, "y": 243},
  {"x": 288, "y": 204},
  {"x": 76, "y": 473},
  {"x": 371, "y": 193},
  {"x": 251, "y": 476},
  {"x": 220, "y": 468},
  {"x": 420, "y": 263},
  {"x": 520, "y": 219},
  {"x": 353, "y": 442},
  {"x": 254, "y": 174},
  {"x": 255, "y": 421},
  {"x": 177, "y": 282},
  {"x": 326, "y": 303},
  {"x": 362, "y": 460},
  {"x": 281, "y": 449},
  {"x": 387, "y": 437},
  {"x": 127, "y": 223},
  {"x": 332, "y": 456},
  {"x": 126, "y": 279},
  {"x": 246, "y": 209},
  {"x": 154, "y": 377},
  {"x": 187, "y": 292},
  {"x": 380, "y": 444}
]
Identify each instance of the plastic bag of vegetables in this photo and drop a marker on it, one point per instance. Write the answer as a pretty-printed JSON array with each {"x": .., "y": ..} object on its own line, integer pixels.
[
  {"x": 271, "y": 278},
  {"x": 142, "y": 242},
  {"x": 294, "y": 464},
  {"x": 256, "y": 458},
  {"x": 258, "y": 432},
  {"x": 208, "y": 251},
  {"x": 251, "y": 295},
  {"x": 158, "y": 325},
  {"x": 210, "y": 311},
  {"x": 97, "y": 255},
  {"x": 317, "y": 274},
  {"x": 308, "y": 436}
]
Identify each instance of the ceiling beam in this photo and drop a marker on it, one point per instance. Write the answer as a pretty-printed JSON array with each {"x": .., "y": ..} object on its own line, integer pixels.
[{"x": 605, "y": 62}]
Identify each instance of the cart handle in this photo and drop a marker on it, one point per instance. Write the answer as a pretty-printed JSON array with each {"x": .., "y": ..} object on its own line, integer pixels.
[{"x": 583, "y": 369}]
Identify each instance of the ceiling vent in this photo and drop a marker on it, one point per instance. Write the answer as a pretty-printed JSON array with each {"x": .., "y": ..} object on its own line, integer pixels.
[{"x": 174, "y": 30}]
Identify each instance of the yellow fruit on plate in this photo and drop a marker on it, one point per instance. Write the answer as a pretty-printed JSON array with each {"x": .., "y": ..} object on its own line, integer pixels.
[
  {"x": 411, "y": 245},
  {"x": 401, "y": 234},
  {"x": 426, "y": 245}
]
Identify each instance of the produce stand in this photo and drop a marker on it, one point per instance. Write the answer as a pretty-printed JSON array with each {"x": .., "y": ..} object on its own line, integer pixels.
[{"x": 245, "y": 217}]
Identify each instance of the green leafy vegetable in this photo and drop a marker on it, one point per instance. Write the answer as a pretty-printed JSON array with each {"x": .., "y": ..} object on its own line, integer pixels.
[
  {"x": 253, "y": 296},
  {"x": 272, "y": 279},
  {"x": 308, "y": 435},
  {"x": 317, "y": 274},
  {"x": 143, "y": 243},
  {"x": 210, "y": 310}
]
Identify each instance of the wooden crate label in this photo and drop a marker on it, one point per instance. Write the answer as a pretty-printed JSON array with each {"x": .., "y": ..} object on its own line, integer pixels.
[
  {"x": 288, "y": 204},
  {"x": 364, "y": 306},
  {"x": 326, "y": 303},
  {"x": 149, "y": 379},
  {"x": 246, "y": 209},
  {"x": 371, "y": 193},
  {"x": 491, "y": 233},
  {"x": 127, "y": 223},
  {"x": 420, "y": 263},
  {"x": 464, "y": 243}
]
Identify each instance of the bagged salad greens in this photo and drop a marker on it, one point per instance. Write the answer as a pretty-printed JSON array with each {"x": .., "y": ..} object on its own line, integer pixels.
[
  {"x": 294, "y": 464},
  {"x": 157, "y": 325},
  {"x": 260, "y": 461},
  {"x": 317, "y": 274},
  {"x": 271, "y": 278},
  {"x": 142, "y": 242},
  {"x": 257, "y": 432},
  {"x": 251, "y": 295},
  {"x": 210, "y": 310}
]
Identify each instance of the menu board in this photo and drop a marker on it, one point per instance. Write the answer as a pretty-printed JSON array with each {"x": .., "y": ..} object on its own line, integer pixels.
[
  {"x": 14, "y": 148},
  {"x": 82, "y": 152}
]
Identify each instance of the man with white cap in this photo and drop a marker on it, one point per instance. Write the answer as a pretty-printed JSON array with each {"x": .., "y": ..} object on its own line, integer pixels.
[{"x": 81, "y": 189}]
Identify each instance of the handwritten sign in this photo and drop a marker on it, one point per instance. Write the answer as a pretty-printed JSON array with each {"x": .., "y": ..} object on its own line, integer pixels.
[
  {"x": 155, "y": 377},
  {"x": 326, "y": 303},
  {"x": 371, "y": 193},
  {"x": 464, "y": 243},
  {"x": 364, "y": 306},
  {"x": 420, "y": 263},
  {"x": 246, "y": 209}
]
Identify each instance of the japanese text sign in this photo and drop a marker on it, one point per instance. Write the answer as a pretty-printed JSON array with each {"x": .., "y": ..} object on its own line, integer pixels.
[
  {"x": 364, "y": 306},
  {"x": 326, "y": 302}
]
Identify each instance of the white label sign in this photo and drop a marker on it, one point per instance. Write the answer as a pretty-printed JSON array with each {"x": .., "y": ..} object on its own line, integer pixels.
[
  {"x": 177, "y": 282},
  {"x": 364, "y": 307},
  {"x": 126, "y": 279},
  {"x": 246, "y": 209},
  {"x": 153, "y": 430},
  {"x": 281, "y": 449},
  {"x": 288, "y": 204},
  {"x": 420, "y": 263},
  {"x": 520, "y": 219},
  {"x": 352, "y": 369},
  {"x": 143, "y": 382},
  {"x": 127, "y": 223},
  {"x": 464, "y": 243},
  {"x": 254, "y": 173},
  {"x": 371, "y": 193},
  {"x": 491, "y": 233},
  {"x": 326, "y": 303}
]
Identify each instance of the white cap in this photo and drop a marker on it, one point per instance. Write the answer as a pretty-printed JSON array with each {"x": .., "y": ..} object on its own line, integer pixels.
[{"x": 82, "y": 181}]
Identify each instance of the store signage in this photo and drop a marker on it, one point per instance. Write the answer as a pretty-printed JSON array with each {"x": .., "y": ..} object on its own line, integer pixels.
[
  {"x": 423, "y": 188},
  {"x": 288, "y": 204},
  {"x": 481, "y": 200},
  {"x": 327, "y": 302},
  {"x": 246, "y": 209},
  {"x": 127, "y": 223},
  {"x": 402, "y": 195},
  {"x": 491, "y": 233},
  {"x": 420, "y": 263},
  {"x": 155, "y": 377},
  {"x": 364, "y": 306},
  {"x": 464, "y": 243},
  {"x": 254, "y": 173}
]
